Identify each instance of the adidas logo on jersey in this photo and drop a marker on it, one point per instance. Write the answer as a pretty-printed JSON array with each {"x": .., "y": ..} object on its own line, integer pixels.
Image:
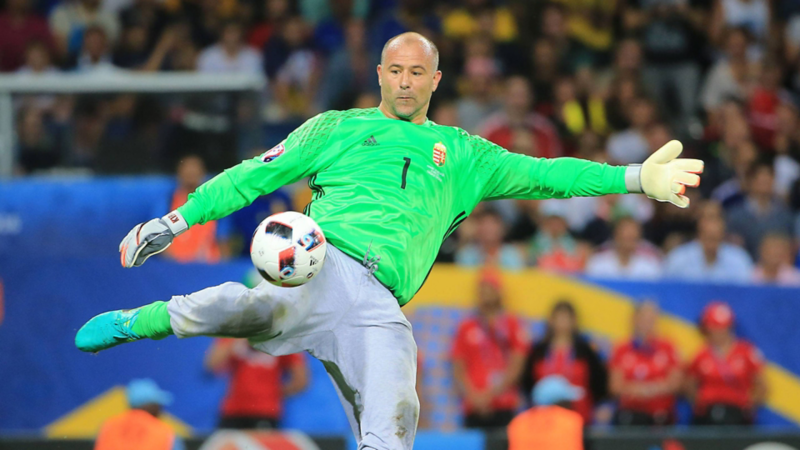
[{"x": 371, "y": 142}]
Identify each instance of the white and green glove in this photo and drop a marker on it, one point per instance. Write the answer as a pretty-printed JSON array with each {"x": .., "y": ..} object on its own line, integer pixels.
[
  {"x": 664, "y": 178},
  {"x": 150, "y": 238}
]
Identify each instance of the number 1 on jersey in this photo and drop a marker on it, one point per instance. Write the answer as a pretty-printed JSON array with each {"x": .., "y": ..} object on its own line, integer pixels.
[{"x": 405, "y": 171}]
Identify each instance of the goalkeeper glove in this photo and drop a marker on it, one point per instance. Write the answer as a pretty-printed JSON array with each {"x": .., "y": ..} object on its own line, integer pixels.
[
  {"x": 664, "y": 178},
  {"x": 150, "y": 238}
]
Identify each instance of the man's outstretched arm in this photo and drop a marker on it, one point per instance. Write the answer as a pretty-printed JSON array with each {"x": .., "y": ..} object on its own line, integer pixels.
[
  {"x": 299, "y": 155},
  {"x": 661, "y": 177}
]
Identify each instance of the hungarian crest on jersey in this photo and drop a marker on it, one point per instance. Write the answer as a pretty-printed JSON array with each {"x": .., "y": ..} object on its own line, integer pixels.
[{"x": 439, "y": 154}]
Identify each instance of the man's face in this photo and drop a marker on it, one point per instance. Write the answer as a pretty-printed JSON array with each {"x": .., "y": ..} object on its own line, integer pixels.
[
  {"x": 626, "y": 236},
  {"x": 518, "y": 96},
  {"x": 408, "y": 79},
  {"x": 489, "y": 297},
  {"x": 644, "y": 323},
  {"x": 710, "y": 233}
]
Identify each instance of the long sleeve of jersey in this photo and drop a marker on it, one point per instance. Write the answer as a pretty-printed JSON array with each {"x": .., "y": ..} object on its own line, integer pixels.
[
  {"x": 511, "y": 175},
  {"x": 299, "y": 155}
]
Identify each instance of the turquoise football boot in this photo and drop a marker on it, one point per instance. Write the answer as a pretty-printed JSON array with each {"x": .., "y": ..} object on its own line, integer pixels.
[{"x": 107, "y": 330}]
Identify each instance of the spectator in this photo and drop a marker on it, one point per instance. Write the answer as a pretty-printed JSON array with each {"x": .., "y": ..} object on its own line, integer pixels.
[
  {"x": 708, "y": 258},
  {"x": 553, "y": 247},
  {"x": 19, "y": 28},
  {"x": 518, "y": 116},
  {"x": 37, "y": 149},
  {"x": 406, "y": 15},
  {"x": 775, "y": 264},
  {"x": 150, "y": 16},
  {"x": 330, "y": 32},
  {"x": 630, "y": 146},
  {"x": 69, "y": 20},
  {"x": 480, "y": 15},
  {"x": 231, "y": 54},
  {"x": 725, "y": 381},
  {"x": 671, "y": 227},
  {"x": 133, "y": 50},
  {"x": 645, "y": 373},
  {"x": 488, "y": 247},
  {"x": 275, "y": 12},
  {"x": 762, "y": 212},
  {"x": 349, "y": 71},
  {"x": 488, "y": 352},
  {"x": 591, "y": 26},
  {"x": 628, "y": 256},
  {"x": 140, "y": 427},
  {"x": 729, "y": 78},
  {"x": 38, "y": 63},
  {"x": 623, "y": 91},
  {"x": 563, "y": 351},
  {"x": 753, "y": 16},
  {"x": 38, "y": 60},
  {"x": 200, "y": 244},
  {"x": 551, "y": 424},
  {"x": 95, "y": 54},
  {"x": 478, "y": 101},
  {"x": 670, "y": 50},
  {"x": 786, "y": 143},
  {"x": 317, "y": 11},
  {"x": 258, "y": 385},
  {"x": 575, "y": 112},
  {"x": 295, "y": 69},
  {"x": 545, "y": 71},
  {"x": 741, "y": 156},
  {"x": 90, "y": 117}
]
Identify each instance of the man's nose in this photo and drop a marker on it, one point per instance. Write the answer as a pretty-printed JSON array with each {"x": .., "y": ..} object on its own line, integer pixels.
[{"x": 405, "y": 80}]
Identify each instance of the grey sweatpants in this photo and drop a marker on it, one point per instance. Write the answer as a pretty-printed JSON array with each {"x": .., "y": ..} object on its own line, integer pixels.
[{"x": 345, "y": 318}]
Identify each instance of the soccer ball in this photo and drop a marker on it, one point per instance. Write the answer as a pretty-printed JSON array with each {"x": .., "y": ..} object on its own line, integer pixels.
[{"x": 288, "y": 249}]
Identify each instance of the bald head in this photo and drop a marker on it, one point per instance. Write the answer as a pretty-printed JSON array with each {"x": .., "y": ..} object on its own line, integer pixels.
[
  {"x": 411, "y": 38},
  {"x": 408, "y": 75}
]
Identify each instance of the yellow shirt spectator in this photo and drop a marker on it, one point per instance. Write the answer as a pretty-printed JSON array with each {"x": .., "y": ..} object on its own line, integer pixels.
[
  {"x": 590, "y": 21},
  {"x": 460, "y": 23}
]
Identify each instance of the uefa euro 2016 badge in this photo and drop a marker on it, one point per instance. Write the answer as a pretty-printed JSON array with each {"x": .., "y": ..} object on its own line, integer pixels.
[
  {"x": 439, "y": 154},
  {"x": 273, "y": 153}
]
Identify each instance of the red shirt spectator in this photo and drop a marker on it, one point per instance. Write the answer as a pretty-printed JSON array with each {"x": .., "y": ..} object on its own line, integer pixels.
[
  {"x": 645, "y": 373},
  {"x": 563, "y": 362},
  {"x": 485, "y": 349},
  {"x": 564, "y": 352},
  {"x": 727, "y": 379},
  {"x": 18, "y": 29},
  {"x": 488, "y": 352},
  {"x": 651, "y": 361},
  {"x": 503, "y": 128},
  {"x": 256, "y": 389}
]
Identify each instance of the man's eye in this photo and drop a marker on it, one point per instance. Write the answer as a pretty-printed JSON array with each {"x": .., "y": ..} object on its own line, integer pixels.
[
  {"x": 395, "y": 72},
  {"x": 416, "y": 74}
]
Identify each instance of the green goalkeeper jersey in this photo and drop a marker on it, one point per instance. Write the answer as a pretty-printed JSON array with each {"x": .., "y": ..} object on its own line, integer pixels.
[{"x": 394, "y": 189}]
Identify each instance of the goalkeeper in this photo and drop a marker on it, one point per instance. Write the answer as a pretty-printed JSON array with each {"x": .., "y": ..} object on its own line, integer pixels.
[{"x": 389, "y": 186}]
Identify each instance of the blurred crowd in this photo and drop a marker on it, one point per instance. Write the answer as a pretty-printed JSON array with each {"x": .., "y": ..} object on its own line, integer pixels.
[{"x": 610, "y": 82}]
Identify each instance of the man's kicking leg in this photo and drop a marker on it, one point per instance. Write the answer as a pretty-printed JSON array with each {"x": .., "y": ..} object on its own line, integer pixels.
[{"x": 230, "y": 310}]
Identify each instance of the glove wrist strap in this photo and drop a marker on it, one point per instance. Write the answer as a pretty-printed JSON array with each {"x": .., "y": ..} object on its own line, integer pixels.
[
  {"x": 633, "y": 179},
  {"x": 175, "y": 222}
]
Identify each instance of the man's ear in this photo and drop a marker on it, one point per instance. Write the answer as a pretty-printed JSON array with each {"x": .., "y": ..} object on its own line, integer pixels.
[
  {"x": 437, "y": 77},
  {"x": 379, "y": 76}
]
